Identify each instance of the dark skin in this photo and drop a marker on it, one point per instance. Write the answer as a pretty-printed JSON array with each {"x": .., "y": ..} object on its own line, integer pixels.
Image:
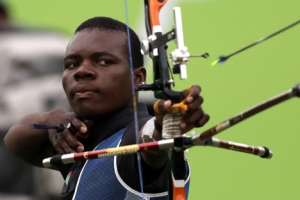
[{"x": 96, "y": 74}]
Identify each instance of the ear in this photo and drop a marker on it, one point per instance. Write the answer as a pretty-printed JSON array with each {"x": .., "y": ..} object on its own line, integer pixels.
[{"x": 139, "y": 76}]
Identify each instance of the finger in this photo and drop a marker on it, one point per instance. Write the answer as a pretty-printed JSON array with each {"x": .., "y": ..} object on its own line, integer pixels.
[
  {"x": 60, "y": 145},
  {"x": 203, "y": 120},
  {"x": 191, "y": 93},
  {"x": 88, "y": 123},
  {"x": 65, "y": 148},
  {"x": 161, "y": 106},
  {"x": 54, "y": 141},
  {"x": 79, "y": 128},
  {"x": 82, "y": 133},
  {"x": 194, "y": 105},
  {"x": 68, "y": 143},
  {"x": 199, "y": 123},
  {"x": 72, "y": 142},
  {"x": 77, "y": 124},
  {"x": 187, "y": 127},
  {"x": 65, "y": 142},
  {"x": 192, "y": 118}
]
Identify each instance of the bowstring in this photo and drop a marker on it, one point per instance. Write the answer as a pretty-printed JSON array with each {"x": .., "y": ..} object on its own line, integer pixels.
[{"x": 134, "y": 100}]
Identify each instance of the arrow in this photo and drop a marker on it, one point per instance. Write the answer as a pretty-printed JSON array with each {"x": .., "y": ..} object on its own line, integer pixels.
[{"x": 223, "y": 59}]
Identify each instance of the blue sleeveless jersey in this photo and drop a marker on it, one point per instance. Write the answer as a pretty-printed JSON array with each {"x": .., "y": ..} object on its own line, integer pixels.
[{"x": 99, "y": 179}]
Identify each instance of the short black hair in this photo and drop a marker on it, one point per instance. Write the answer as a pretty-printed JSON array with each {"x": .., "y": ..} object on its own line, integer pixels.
[{"x": 109, "y": 24}]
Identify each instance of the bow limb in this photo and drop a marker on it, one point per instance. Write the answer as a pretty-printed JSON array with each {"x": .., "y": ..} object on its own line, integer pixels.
[{"x": 154, "y": 10}]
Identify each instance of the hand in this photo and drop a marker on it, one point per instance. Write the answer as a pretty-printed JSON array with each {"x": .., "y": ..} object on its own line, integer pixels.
[
  {"x": 193, "y": 117},
  {"x": 65, "y": 141}
]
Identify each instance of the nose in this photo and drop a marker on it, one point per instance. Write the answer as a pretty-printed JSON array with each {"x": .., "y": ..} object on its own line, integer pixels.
[{"x": 85, "y": 71}]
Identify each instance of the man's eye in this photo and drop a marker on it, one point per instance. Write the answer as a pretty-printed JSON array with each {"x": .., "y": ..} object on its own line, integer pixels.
[
  {"x": 71, "y": 65},
  {"x": 104, "y": 62}
]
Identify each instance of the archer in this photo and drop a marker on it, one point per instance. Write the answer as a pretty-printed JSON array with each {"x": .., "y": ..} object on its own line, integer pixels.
[{"x": 97, "y": 83}]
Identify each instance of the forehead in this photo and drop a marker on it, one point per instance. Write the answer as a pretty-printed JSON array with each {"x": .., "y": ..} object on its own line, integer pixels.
[{"x": 97, "y": 41}]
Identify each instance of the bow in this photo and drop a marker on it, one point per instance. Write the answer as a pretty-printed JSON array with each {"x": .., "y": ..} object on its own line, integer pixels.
[{"x": 155, "y": 46}]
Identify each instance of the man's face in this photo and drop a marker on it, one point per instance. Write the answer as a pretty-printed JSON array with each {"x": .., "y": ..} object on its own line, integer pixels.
[{"x": 96, "y": 76}]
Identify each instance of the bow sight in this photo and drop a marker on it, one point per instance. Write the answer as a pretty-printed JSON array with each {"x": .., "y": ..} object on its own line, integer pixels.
[{"x": 156, "y": 46}]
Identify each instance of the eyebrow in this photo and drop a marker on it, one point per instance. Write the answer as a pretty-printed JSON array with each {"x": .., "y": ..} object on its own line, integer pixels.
[
  {"x": 71, "y": 56},
  {"x": 95, "y": 54}
]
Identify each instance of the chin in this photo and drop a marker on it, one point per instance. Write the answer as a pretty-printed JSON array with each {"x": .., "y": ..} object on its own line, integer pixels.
[
  {"x": 87, "y": 113},
  {"x": 91, "y": 112}
]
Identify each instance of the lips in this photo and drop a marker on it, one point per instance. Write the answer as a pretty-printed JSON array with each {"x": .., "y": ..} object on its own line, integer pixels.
[
  {"x": 83, "y": 91},
  {"x": 84, "y": 95}
]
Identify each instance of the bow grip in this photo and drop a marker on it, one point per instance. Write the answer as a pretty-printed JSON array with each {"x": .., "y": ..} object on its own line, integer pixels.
[{"x": 172, "y": 119}]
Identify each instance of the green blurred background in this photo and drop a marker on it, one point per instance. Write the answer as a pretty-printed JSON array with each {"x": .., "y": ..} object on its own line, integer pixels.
[{"x": 219, "y": 27}]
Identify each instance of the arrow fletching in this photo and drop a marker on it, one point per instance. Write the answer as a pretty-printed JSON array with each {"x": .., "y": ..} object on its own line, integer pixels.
[
  {"x": 59, "y": 128},
  {"x": 220, "y": 60}
]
